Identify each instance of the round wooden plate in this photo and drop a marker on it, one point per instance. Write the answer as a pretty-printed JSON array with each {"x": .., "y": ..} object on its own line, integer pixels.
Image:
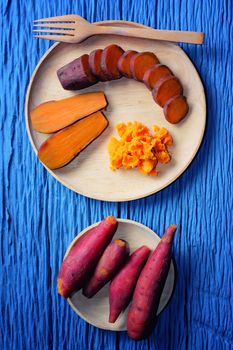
[
  {"x": 89, "y": 173},
  {"x": 96, "y": 310}
]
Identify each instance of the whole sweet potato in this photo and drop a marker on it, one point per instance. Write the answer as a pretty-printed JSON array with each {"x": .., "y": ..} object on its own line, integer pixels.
[
  {"x": 110, "y": 262},
  {"x": 149, "y": 287},
  {"x": 122, "y": 286},
  {"x": 81, "y": 260}
]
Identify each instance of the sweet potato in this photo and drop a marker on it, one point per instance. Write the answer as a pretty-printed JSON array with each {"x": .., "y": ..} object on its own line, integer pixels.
[
  {"x": 149, "y": 287},
  {"x": 123, "y": 64},
  {"x": 54, "y": 115},
  {"x": 62, "y": 147},
  {"x": 140, "y": 63},
  {"x": 84, "y": 255},
  {"x": 94, "y": 63},
  {"x": 109, "y": 59},
  {"x": 109, "y": 264},
  {"x": 153, "y": 74},
  {"x": 176, "y": 109},
  {"x": 122, "y": 286},
  {"x": 76, "y": 75},
  {"x": 166, "y": 88}
]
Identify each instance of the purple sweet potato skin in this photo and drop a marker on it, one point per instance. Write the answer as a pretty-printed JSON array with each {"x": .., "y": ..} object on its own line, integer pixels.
[
  {"x": 143, "y": 310},
  {"x": 123, "y": 284},
  {"x": 76, "y": 75},
  {"x": 113, "y": 258},
  {"x": 80, "y": 262}
]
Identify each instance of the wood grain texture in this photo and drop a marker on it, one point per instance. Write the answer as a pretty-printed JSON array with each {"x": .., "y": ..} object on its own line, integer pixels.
[{"x": 39, "y": 217}]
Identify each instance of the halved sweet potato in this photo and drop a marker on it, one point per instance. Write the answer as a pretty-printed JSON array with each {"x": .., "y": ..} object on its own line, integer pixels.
[
  {"x": 62, "y": 147},
  {"x": 94, "y": 63},
  {"x": 155, "y": 73},
  {"x": 76, "y": 75},
  {"x": 176, "y": 109},
  {"x": 166, "y": 88},
  {"x": 123, "y": 64},
  {"x": 52, "y": 116},
  {"x": 140, "y": 63},
  {"x": 109, "y": 59}
]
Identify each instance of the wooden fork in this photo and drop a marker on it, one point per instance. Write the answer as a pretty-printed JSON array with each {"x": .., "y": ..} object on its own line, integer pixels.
[{"x": 74, "y": 29}]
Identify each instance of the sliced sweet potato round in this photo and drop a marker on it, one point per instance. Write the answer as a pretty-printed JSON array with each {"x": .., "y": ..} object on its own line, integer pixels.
[
  {"x": 76, "y": 75},
  {"x": 95, "y": 67},
  {"x": 166, "y": 88},
  {"x": 140, "y": 63},
  {"x": 109, "y": 59},
  {"x": 153, "y": 74},
  {"x": 123, "y": 64},
  {"x": 176, "y": 109}
]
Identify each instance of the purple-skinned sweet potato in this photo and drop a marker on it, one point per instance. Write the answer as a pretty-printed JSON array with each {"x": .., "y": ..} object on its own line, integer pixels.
[
  {"x": 76, "y": 75},
  {"x": 113, "y": 258},
  {"x": 84, "y": 255},
  {"x": 149, "y": 287},
  {"x": 123, "y": 284}
]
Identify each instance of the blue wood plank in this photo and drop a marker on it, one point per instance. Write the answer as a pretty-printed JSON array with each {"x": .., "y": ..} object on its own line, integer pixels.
[{"x": 39, "y": 217}]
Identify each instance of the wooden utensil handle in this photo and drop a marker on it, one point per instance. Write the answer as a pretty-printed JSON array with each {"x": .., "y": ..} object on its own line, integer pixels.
[{"x": 149, "y": 33}]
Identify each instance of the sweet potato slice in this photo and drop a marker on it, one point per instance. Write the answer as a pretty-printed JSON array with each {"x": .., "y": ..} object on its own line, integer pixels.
[
  {"x": 140, "y": 63},
  {"x": 52, "y": 116},
  {"x": 123, "y": 64},
  {"x": 76, "y": 75},
  {"x": 176, "y": 109},
  {"x": 94, "y": 63},
  {"x": 109, "y": 59},
  {"x": 166, "y": 88},
  {"x": 62, "y": 147},
  {"x": 153, "y": 74}
]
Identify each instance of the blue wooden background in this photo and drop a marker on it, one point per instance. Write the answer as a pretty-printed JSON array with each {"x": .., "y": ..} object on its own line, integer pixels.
[{"x": 39, "y": 217}]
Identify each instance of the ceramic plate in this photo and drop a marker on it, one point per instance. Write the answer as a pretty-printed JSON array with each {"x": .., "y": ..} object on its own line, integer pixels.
[
  {"x": 96, "y": 310},
  {"x": 89, "y": 173}
]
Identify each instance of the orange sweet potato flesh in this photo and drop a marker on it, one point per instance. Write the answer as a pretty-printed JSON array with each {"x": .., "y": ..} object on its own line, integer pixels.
[
  {"x": 166, "y": 88},
  {"x": 52, "y": 116},
  {"x": 176, "y": 109},
  {"x": 62, "y": 147},
  {"x": 140, "y": 63},
  {"x": 155, "y": 73},
  {"x": 123, "y": 64},
  {"x": 95, "y": 67},
  {"x": 109, "y": 59}
]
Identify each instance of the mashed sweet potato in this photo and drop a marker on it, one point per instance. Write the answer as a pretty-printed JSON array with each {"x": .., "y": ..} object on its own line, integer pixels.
[{"x": 138, "y": 148}]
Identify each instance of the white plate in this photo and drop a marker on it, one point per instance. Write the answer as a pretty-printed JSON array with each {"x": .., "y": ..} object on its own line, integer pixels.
[
  {"x": 96, "y": 310},
  {"x": 89, "y": 173}
]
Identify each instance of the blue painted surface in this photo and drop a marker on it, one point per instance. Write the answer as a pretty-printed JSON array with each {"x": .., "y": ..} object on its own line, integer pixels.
[{"x": 39, "y": 217}]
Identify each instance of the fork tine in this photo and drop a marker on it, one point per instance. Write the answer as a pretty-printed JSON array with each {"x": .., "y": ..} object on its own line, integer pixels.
[
  {"x": 66, "y": 18},
  {"x": 56, "y": 25},
  {"x": 55, "y": 31},
  {"x": 62, "y": 38}
]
